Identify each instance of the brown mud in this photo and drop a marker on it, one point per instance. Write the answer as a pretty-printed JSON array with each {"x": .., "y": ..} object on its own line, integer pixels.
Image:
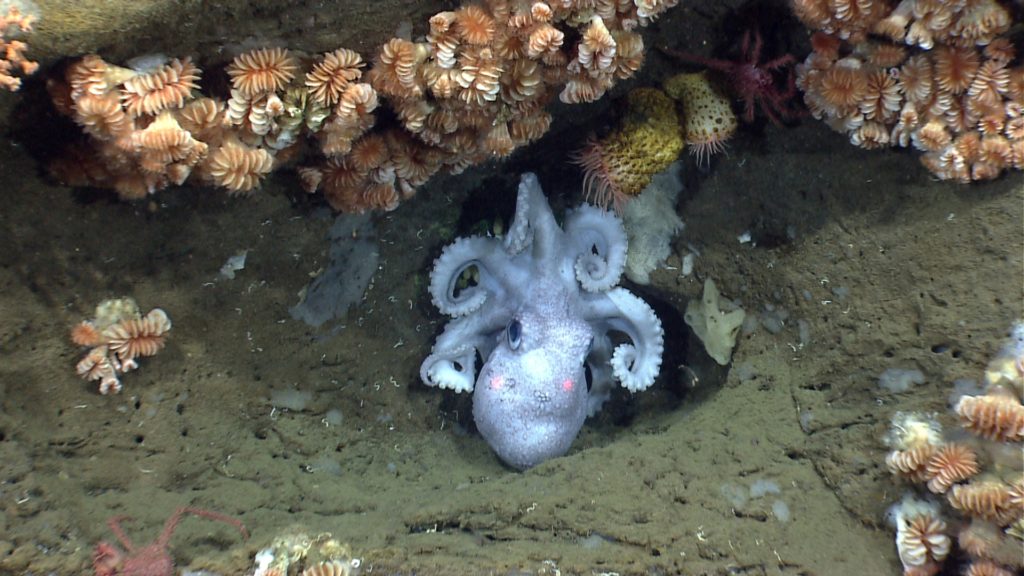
[{"x": 886, "y": 267}]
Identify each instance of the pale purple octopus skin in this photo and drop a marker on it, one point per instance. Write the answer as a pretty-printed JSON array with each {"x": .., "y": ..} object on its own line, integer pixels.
[
  {"x": 530, "y": 399},
  {"x": 543, "y": 309}
]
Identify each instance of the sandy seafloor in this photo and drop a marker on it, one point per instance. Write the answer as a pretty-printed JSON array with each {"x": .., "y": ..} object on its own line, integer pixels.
[
  {"x": 928, "y": 277},
  {"x": 887, "y": 268}
]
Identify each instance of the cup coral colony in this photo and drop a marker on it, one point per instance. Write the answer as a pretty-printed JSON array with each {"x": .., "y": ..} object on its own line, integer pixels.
[
  {"x": 474, "y": 88},
  {"x": 970, "y": 486},
  {"x": 16, "y": 20},
  {"x": 936, "y": 76}
]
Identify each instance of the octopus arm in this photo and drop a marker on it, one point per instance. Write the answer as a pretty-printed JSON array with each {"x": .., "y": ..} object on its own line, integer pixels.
[
  {"x": 519, "y": 233},
  {"x": 602, "y": 379},
  {"x": 635, "y": 364},
  {"x": 599, "y": 240},
  {"x": 452, "y": 361},
  {"x": 452, "y": 369},
  {"x": 533, "y": 225},
  {"x": 455, "y": 259}
]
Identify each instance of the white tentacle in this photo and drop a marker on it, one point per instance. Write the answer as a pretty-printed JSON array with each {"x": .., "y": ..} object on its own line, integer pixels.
[
  {"x": 600, "y": 241},
  {"x": 452, "y": 369},
  {"x": 449, "y": 266},
  {"x": 637, "y": 364}
]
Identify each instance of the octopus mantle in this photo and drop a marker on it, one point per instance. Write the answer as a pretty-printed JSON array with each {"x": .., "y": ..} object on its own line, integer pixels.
[{"x": 545, "y": 306}]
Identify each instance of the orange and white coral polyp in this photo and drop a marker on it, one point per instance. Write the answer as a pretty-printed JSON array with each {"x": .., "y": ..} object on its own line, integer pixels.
[
  {"x": 989, "y": 500},
  {"x": 910, "y": 463},
  {"x": 330, "y": 76},
  {"x": 262, "y": 71},
  {"x": 168, "y": 87},
  {"x": 144, "y": 336},
  {"x": 118, "y": 335},
  {"x": 950, "y": 464},
  {"x": 993, "y": 416},
  {"x": 85, "y": 334},
  {"x": 922, "y": 542}
]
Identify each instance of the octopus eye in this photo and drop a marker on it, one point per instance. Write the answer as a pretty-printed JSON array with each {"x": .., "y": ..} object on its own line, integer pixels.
[{"x": 514, "y": 333}]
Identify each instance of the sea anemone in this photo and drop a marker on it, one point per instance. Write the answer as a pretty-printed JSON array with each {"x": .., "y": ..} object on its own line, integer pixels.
[
  {"x": 629, "y": 53},
  {"x": 1000, "y": 50},
  {"x": 541, "y": 12},
  {"x": 378, "y": 196},
  {"x": 931, "y": 137},
  {"x": 883, "y": 54},
  {"x": 357, "y": 105},
  {"x": 910, "y": 463},
  {"x": 498, "y": 142},
  {"x": 97, "y": 366},
  {"x": 882, "y": 98},
  {"x": 530, "y": 127},
  {"x": 582, "y": 87},
  {"x": 989, "y": 83},
  {"x": 995, "y": 150},
  {"x": 443, "y": 39},
  {"x": 870, "y": 135},
  {"x": 522, "y": 81},
  {"x": 89, "y": 75},
  {"x": 310, "y": 178},
  {"x": 980, "y": 22},
  {"x": 414, "y": 162}
]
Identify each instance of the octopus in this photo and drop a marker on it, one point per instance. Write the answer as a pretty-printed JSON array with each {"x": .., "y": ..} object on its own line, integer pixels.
[{"x": 545, "y": 307}]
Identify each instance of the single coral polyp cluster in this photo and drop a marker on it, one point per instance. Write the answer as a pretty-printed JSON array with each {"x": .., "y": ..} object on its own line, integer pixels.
[
  {"x": 12, "y": 52},
  {"x": 474, "y": 88},
  {"x": 981, "y": 477},
  {"x": 116, "y": 337},
  {"x": 941, "y": 77}
]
